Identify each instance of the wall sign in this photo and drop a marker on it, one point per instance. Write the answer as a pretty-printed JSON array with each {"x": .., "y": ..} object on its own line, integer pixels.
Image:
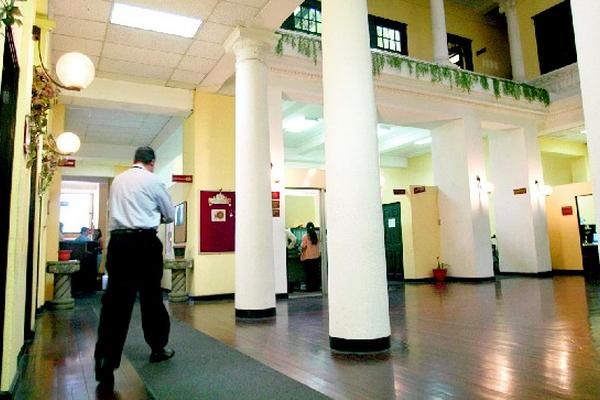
[
  {"x": 399, "y": 191},
  {"x": 567, "y": 210},
  {"x": 275, "y": 204},
  {"x": 419, "y": 189},
  {"x": 217, "y": 221},
  {"x": 519, "y": 191},
  {"x": 182, "y": 178},
  {"x": 66, "y": 162}
]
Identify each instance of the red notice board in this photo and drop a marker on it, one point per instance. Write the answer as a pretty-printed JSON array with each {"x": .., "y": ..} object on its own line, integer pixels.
[{"x": 217, "y": 221}]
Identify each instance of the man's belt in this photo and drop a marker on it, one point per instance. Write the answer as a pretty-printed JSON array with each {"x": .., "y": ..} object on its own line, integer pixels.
[{"x": 132, "y": 231}]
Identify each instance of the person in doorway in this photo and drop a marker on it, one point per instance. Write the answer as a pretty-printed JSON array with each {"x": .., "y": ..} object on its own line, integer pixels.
[
  {"x": 138, "y": 203},
  {"x": 84, "y": 235},
  {"x": 290, "y": 239},
  {"x": 311, "y": 258},
  {"x": 98, "y": 238}
]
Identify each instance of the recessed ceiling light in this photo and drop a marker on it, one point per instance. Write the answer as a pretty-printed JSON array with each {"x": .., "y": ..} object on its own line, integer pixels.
[
  {"x": 157, "y": 21},
  {"x": 423, "y": 141},
  {"x": 300, "y": 123},
  {"x": 584, "y": 132}
]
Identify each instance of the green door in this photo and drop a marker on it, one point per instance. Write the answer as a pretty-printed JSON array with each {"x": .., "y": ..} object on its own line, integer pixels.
[{"x": 392, "y": 228}]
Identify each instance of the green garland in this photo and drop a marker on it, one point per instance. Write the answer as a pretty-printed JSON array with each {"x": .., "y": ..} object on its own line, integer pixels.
[
  {"x": 9, "y": 13},
  {"x": 462, "y": 79}
]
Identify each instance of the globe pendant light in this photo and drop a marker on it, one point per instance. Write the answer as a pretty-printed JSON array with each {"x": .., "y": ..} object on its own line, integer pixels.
[
  {"x": 75, "y": 70},
  {"x": 67, "y": 143}
]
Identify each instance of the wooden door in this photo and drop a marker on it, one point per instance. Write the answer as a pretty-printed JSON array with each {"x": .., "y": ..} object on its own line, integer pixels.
[{"x": 392, "y": 228}]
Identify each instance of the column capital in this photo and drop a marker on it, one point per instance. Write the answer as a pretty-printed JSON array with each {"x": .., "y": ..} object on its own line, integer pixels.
[
  {"x": 250, "y": 43},
  {"x": 507, "y": 5}
]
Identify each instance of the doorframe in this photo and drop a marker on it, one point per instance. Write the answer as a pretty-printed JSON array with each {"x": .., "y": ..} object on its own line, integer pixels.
[{"x": 10, "y": 58}]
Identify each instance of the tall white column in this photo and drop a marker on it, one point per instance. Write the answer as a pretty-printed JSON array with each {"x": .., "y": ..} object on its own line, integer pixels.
[
  {"x": 254, "y": 273},
  {"x": 440, "y": 36},
  {"x": 457, "y": 152},
  {"x": 586, "y": 14},
  {"x": 358, "y": 298},
  {"x": 509, "y": 8},
  {"x": 515, "y": 162}
]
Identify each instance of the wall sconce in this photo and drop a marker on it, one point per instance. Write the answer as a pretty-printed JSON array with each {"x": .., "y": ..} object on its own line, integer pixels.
[
  {"x": 67, "y": 143},
  {"x": 484, "y": 187},
  {"x": 75, "y": 70},
  {"x": 544, "y": 190}
]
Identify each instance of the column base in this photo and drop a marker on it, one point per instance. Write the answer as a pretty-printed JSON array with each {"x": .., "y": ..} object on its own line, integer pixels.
[
  {"x": 62, "y": 304},
  {"x": 359, "y": 345},
  {"x": 178, "y": 297},
  {"x": 254, "y": 314}
]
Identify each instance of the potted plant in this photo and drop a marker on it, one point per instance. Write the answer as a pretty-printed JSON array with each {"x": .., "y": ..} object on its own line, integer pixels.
[
  {"x": 440, "y": 272},
  {"x": 64, "y": 255}
]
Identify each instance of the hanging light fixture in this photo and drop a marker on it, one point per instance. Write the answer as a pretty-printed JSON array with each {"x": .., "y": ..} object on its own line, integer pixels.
[
  {"x": 75, "y": 70},
  {"x": 67, "y": 143}
]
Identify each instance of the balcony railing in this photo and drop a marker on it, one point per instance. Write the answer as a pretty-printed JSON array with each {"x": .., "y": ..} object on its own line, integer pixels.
[{"x": 310, "y": 46}]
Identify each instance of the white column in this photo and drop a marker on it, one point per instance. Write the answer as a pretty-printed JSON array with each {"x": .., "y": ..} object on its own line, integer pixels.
[
  {"x": 358, "y": 298},
  {"x": 509, "y": 8},
  {"x": 586, "y": 14},
  {"x": 457, "y": 151},
  {"x": 278, "y": 185},
  {"x": 521, "y": 230},
  {"x": 254, "y": 274},
  {"x": 440, "y": 36}
]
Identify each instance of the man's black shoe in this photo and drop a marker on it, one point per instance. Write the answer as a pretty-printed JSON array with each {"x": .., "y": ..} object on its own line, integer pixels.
[
  {"x": 161, "y": 355},
  {"x": 104, "y": 375}
]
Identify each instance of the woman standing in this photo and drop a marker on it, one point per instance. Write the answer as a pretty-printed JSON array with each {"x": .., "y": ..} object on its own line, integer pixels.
[{"x": 311, "y": 258}]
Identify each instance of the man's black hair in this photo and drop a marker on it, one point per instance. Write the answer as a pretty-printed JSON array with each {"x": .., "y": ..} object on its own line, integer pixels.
[
  {"x": 83, "y": 229},
  {"x": 144, "y": 154}
]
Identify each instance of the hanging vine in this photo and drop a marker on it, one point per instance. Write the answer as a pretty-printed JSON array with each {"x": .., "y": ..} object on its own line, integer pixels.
[
  {"x": 462, "y": 79},
  {"x": 44, "y": 95}
]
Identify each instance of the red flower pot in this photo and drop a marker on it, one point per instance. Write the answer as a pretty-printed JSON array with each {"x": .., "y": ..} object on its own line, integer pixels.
[
  {"x": 439, "y": 275},
  {"x": 64, "y": 255}
]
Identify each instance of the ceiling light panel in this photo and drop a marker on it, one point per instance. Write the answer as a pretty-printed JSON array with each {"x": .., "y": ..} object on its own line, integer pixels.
[{"x": 157, "y": 21}]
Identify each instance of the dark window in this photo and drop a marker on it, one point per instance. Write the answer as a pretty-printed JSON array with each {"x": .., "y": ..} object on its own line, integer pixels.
[
  {"x": 306, "y": 18},
  {"x": 459, "y": 52},
  {"x": 555, "y": 37},
  {"x": 388, "y": 35}
]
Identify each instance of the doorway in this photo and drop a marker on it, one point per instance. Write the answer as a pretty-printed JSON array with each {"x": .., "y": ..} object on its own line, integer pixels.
[
  {"x": 588, "y": 236},
  {"x": 8, "y": 108},
  {"x": 301, "y": 207},
  {"x": 392, "y": 230}
]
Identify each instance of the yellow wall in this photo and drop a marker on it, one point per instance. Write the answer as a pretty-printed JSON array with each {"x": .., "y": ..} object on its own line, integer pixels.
[
  {"x": 526, "y": 10},
  {"x": 208, "y": 154},
  {"x": 14, "y": 295},
  {"x": 460, "y": 21},
  {"x": 563, "y": 230},
  {"x": 300, "y": 209},
  {"x": 564, "y": 162}
]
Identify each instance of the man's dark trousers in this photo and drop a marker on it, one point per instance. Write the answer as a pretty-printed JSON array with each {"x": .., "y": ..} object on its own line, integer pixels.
[{"x": 134, "y": 264}]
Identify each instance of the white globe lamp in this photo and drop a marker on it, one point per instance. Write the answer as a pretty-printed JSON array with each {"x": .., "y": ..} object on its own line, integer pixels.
[
  {"x": 75, "y": 70},
  {"x": 67, "y": 143}
]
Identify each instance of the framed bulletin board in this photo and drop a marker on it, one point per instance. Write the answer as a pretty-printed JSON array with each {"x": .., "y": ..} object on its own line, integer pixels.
[
  {"x": 180, "y": 223},
  {"x": 217, "y": 221}
]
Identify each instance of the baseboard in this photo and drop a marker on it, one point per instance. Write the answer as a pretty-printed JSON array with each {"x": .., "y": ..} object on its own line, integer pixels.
[
  {"x": 21, "y": 366},
  {"x": 417, "y": 280},
  {"x": 484, "y": 279},
  {"x": 545, "y": 274},
  {"x": 282, "y": 296},
  {"x": 6, "y": 396},
  {"x": 569, "y": 272},
  {"x": 212, "y": 297}
]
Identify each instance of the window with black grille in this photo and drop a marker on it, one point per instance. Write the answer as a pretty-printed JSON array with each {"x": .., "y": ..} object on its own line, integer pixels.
[
  {"x": 459, "y": 52},
  {"x": 306, "y": 18},
  {"x": 387, "y": 34}
]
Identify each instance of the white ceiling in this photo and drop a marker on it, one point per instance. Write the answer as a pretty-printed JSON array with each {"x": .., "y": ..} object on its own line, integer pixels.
[
  {"x": 569, "y": 135},
  {"x": 396, "y": 143},
  {"x": 124, "y": 53}
]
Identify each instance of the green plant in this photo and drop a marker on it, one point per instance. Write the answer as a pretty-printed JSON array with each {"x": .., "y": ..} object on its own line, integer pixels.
[
  {"x": 44, "y": 95},
  {"x": 9, "y": 13},
  {"x": 441, "y": 265}
]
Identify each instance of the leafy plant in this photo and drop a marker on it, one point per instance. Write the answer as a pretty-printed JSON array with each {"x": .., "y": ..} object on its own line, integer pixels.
[
  {"x": 9, "y": 13},
  {"x": 44, "y": 95},
  {"x": 441, "y": 265},
  {"x": 462, "y": 79}
]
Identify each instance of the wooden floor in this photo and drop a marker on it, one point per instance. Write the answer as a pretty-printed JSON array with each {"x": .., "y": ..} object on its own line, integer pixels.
[{"x": 517, "y": 338}]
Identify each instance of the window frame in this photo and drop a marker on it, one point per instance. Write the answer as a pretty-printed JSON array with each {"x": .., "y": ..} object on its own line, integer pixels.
[
  {"x": 376, "y": 21},
  {"x": 290, "y": 24},
  {"x": 466, "y": 45}
]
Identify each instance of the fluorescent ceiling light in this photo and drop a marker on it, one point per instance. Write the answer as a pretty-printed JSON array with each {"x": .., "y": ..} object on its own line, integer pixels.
[
  {"x": 427, "y": 140},
  {"x": 300, "y": 124},
  {"x": 584, "y": 132},
  {"x": 157, "y": 21}
]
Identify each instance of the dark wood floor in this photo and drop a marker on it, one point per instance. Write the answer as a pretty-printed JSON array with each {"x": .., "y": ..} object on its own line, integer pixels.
[{"x": 518, "y": 338}]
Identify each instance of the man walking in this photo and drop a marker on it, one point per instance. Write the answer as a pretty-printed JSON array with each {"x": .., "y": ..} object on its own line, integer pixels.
[{"x": 138, "y": 203}]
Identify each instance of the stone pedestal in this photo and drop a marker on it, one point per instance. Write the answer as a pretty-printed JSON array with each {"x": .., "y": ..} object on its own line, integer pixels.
[
  {"x": 178, "y": 279},
  {"x": 62, "y": 271}
]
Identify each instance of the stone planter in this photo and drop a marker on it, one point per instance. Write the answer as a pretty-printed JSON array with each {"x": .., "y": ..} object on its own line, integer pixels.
[
  {"x": 62, "y": 271},
  {"x": 178, "y": 269}
]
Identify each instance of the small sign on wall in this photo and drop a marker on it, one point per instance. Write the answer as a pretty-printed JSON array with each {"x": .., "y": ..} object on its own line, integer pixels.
[
  {"x": 519, "y": 191},
  {"x": 419, "y": 189},
  {"x": 567, "y": 210},
  {"x": 275, "y": 204},
  {"x": 183, "y": 178},
  {"x": 66, "y": 162},
  {"x": 399, "y": 191}
]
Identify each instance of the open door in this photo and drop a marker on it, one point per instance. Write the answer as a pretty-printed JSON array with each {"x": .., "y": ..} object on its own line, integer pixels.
[
  {"x": 392, "y": 228},
  {"x": 8, "y": 108}
]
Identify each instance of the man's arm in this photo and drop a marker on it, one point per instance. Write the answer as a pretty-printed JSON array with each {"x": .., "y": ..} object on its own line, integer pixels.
[{"x": 167, "y": 211}]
